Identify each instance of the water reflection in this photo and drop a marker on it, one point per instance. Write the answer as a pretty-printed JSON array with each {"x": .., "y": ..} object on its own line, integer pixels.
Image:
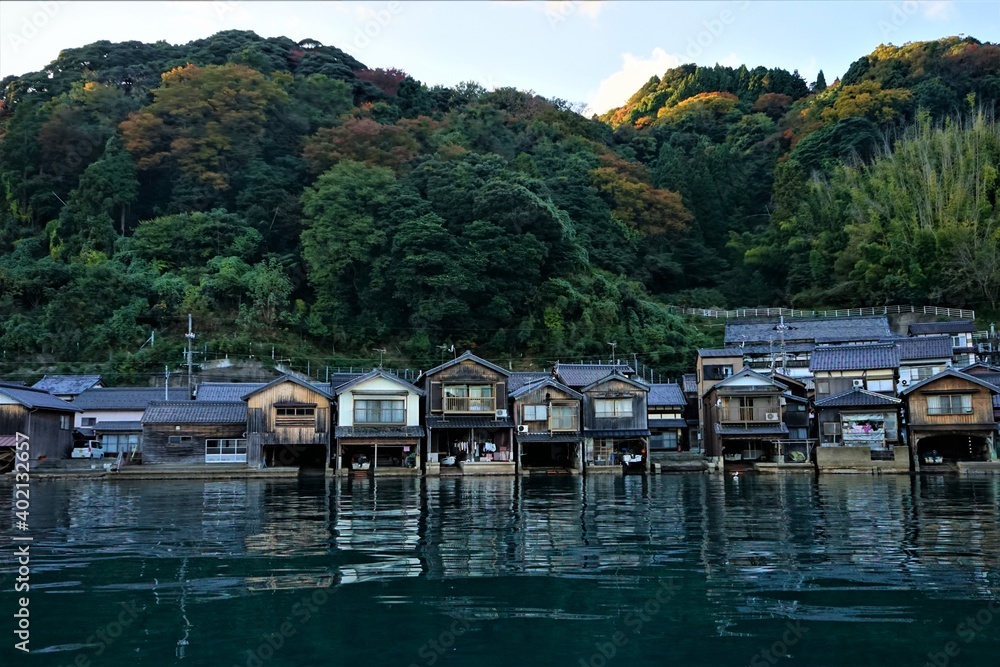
[{"x": 869, "y": 552}]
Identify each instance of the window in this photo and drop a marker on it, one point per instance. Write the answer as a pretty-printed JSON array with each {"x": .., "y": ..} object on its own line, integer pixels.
[
  {"x": 958, "y": 341},
  {"x": 180, "y": 440},
  {"x": 295, "y": 416},
  {"x": 880, "y": 385},
  {"x": 606, "y": 408},
  {"x": 230, "y": 450},
  {"x": 718, "y": 372},
  {"x": 563, "y": 418},
  {"x": 921, "y": 373},
  {"x": 822, "y": 386},
  {"x": 535, "y": 413},
  {"x": 954, "y": 404},
  {"x": 797, "y": 434},
  {"x": 88, "y": 421},
  {"x": 65, "y": 423},
  {"x": 831, "y": 428},
  {"x": 112, "y": 443},
  {"x": 663, "y": 440},
  {"x": 380, "y": 411},
  {"x": 468, "y": 398}
]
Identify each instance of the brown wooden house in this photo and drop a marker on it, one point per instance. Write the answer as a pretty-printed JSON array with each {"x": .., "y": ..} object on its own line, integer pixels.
[
  {"x": 949, "y": 419},
  {"x": 468, "y": 425},
  {"x": 547, "y": 415},
  {"x": 47, "y": 422},
  {"x": 743, "y": 419},
  {"x": 194, "y": 432},
  {"x": 616, "y": 424},
  {"x": 288, "y": 423}
]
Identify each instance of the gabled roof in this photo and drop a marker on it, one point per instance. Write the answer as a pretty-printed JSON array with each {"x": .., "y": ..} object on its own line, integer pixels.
[
  {"x": 376, "y": 373},
  {"x": 338, "y": 379},
  {"x": 952, "y": 327},
  {"x": 690, "y": 383},
  {"x": 951, "y": 372},
  {"x": 67, "y": 385},
  {"x": 813, "y": 329},
  {"x": 319, "y": 389},
  {"x": 854, "y": 357},
  {"x": 748, "y": 372},
  {"x": 126, "y": 398},
  {"x": 520, "y": 378},
  {"x": 547, "y": 381},
  {"x": 666, "y": 394},
  {"x": 923, "y": 347},
  {"x": 980, "y": 368},
  {"x": 582, "y": 375},
  {"x": 35, "y": 399},
  {"x": 466, "y": 356},
  {"x": 225, "y": 391},
  {"x": 856, "y": 397},
  {"x": 615, "y": 375},
  {"x": 195, "y": 412}
]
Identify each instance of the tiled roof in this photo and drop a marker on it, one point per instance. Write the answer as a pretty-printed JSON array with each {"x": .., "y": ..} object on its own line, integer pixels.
[
  {"x": 371, "y": 375},
  {"x": 379, "y": 432},
  {"x": 320, "y": 388},
  {"x": 338, "y": 379},
  {"x": 854, "y": 357},
  {"x": 690, "y": 383},
  {"x": 856, "y": 397},
  {"x": 581, "y": 375},
  {"x": 125, "y": 398},
  {"x": 467, "y": 356},
  {"x": 30, "y": 398},
  {"x": 467, "y": 422},
  {"x": 752, "y": 429},
  {"x": 195, "y": 412},
  {"x": 547, "y": 381},
  {"x": 617, "y": 376},
  {"x": 548, "y": 437},
  {"x": 616, "y": 433},
  {"x": 924, "y": 347},
  {"x": 953, "y": 327},
  {"x": 520, "y": 378},
  {"x": 668, "y": 423},
  {"x": 225, "y": 391},
  {"x": 666, "y": 394},
  {"x": 117, "y": 426},
  {"x": 829, "y": 329},
  {"x": 67, "y": 385}
]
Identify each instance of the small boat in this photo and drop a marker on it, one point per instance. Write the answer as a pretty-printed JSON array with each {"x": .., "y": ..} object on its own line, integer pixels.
[
  {"x": 448, "y": 461},
  {"x": 361, "y": 463}
]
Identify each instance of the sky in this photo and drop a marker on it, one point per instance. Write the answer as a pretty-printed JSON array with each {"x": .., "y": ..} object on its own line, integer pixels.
[{"x": 591, "y": 52}]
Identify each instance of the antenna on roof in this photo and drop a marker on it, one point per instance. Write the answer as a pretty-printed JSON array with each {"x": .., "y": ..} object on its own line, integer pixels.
[
  {"x": 613, "y": 345},
  {"x": 381, "y": 352}
]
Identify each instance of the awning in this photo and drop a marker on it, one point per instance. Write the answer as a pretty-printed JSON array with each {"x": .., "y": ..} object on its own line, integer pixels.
[{"x": 8, "y": 440}]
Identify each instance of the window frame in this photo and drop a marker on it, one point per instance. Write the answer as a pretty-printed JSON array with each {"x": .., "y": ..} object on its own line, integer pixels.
[
  {"x": 617, "y": 405},
  {"x": 380, "y": 410}
]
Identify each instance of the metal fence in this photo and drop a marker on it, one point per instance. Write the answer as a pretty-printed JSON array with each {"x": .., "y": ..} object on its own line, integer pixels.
[{"x": 937, "y": 311}]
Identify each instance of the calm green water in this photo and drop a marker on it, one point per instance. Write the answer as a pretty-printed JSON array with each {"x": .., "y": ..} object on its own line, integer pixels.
[{"x": 685, "y": 570}]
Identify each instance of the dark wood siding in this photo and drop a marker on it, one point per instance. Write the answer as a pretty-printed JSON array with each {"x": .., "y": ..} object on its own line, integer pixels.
[
  {"x": 616, "y": 389},
  {"x": 156, "y": 447},
  {"x": 467, "y": 372},
  {"x": 46, "y": 437}
]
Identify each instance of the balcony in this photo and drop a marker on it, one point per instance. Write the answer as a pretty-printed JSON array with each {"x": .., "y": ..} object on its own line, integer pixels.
[
  {"x": 468, "y": 404},
  {"x": 767, "y": 413}
]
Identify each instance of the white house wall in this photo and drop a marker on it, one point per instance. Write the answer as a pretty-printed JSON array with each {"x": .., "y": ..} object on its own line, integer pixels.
[{"x": 345, "y": 407}]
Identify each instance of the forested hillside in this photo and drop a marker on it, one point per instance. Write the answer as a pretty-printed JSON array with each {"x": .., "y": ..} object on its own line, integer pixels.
[{"x": 287, "y": 195}]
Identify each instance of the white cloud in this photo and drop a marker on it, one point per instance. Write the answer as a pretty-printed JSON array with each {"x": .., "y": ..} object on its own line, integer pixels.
[
  {"x": 732, "y": 60},
  {"x": 617, "y": 88}
]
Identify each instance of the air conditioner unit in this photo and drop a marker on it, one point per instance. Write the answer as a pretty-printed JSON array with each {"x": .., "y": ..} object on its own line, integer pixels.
[
  {"x": 860, "y": 384},
  {"x": 771, "y": 416},
  {"x": 501, "y": 414},
  {"x": 523, "y": 428}
]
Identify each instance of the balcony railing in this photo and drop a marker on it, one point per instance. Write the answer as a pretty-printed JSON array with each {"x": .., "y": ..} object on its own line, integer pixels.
[
  {"x": 469, "y": 404},
  {"x": 559, "y": 425}
]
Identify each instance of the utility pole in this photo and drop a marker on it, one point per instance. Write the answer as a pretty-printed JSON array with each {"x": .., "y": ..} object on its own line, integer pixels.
[
  {"x": 381, "y": 353},
  {"x": 166, "y": 382},
  {"x": 190, "y": 338},
  {"x": 613, "y": 345}
]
